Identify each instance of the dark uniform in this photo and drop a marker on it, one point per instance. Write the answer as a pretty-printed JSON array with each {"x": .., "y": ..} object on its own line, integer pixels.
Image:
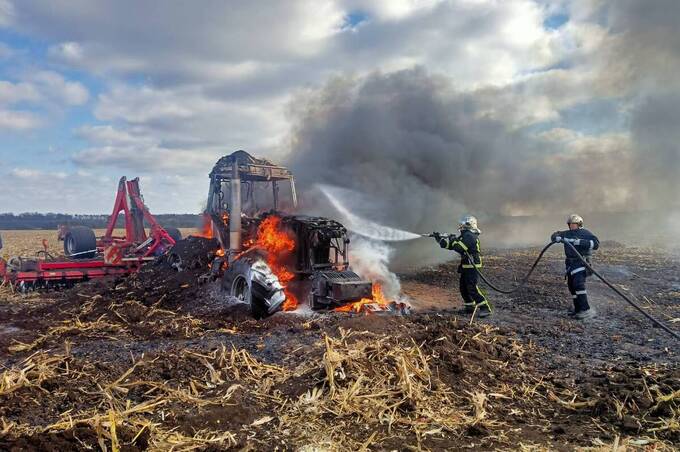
[
  {"x": 585, "y": 242},
  {"x": 469, "y": 290}
]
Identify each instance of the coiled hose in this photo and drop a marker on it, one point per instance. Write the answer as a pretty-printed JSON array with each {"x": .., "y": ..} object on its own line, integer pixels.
[{"x": 585, "y": 263}]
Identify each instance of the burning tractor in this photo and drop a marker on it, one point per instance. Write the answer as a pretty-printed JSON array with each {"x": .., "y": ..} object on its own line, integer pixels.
[{"x": 273, "y": 260}]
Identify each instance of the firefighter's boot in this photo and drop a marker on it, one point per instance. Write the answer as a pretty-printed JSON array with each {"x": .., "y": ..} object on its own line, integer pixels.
[
  {"x": 468, "y": 308},
  {"x": 585, "y": 315},
  {"x": 483, "y": 309}
]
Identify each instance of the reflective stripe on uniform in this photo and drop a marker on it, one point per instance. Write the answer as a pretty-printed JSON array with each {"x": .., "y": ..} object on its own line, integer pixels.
[
  {"x": 472, "y": 266},
  {"x": 581, "y": 292},
  {"x": 462, "y": 245},
  {"x": 484, "y": 303},
  {"x": 574, "y": 297},
  {"x": 580, "y": 269},
  {"x": 592, "y": 244}
]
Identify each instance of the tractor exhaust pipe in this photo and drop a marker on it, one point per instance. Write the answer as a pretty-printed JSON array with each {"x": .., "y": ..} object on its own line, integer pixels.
[{"x": 235, "y": 213}]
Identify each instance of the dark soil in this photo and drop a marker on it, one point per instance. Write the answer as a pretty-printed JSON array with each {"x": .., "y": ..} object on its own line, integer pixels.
[{"x": 548, "y": 381}]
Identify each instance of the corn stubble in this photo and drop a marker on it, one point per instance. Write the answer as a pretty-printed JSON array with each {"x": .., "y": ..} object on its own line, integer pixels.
[{"x": 363, "y": 390}]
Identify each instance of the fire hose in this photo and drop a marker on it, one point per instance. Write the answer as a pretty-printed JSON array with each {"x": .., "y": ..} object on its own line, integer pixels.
[{"x": 586, "y": 264}]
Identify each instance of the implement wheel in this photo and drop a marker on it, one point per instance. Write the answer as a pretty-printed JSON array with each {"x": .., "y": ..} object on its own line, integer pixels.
[
  {"x": 80, "y": 243},
  {"x": 175, "y": 233}
]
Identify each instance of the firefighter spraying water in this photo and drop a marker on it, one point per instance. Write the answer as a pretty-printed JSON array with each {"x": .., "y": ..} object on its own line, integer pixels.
[
  {"x": 578, "y": 245},
  {"x": 468, "y": 246}
]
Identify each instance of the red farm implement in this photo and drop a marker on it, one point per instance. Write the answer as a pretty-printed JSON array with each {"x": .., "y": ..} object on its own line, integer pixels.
[{"x": 87, "y": 256}]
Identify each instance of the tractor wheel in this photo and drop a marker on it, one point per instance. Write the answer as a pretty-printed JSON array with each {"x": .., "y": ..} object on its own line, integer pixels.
[
  {"x": 80, "y": 243},
  {"x": 238, "y": 282},
  {"x": 175, "y": 233}
]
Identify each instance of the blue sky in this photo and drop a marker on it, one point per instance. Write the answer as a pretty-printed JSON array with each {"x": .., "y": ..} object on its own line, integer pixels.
[{"x": 91, "y": 90}]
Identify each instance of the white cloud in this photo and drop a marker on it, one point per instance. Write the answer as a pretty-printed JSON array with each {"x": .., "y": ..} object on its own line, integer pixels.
[
  {"x": 54, "y": 86},
  {"x": 478, "y": 42},
  {"x": 109, "y": 135},
  {"x": 104, "y": 37},
  {"x": 538, "y": 97},
  {"x": 182, "y": 120},
  {"x": 393, "y": 9},
  {"x": 26, "y": 173},
  {"x": 12, "y": 93},
  {"x": 144, "y": 159},
  {"x": 69, "y": 52},
  {"x": 43, "y": 86},
  {"x": 18, "y": 120},
  {"x": 143, "y": 104},
  {"x": 7, "y": 13},
  {"x": 23, "y": 104}
]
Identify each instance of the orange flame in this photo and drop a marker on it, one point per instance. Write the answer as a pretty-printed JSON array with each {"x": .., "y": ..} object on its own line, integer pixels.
[
  {"x": 378, "y": 298},
  {"x": 278, "y": 243},
  {"x": 206, "y": 228}
]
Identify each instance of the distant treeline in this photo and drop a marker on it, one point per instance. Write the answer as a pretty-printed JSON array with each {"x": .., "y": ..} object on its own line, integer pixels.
[{"x": 53, "y": 220}]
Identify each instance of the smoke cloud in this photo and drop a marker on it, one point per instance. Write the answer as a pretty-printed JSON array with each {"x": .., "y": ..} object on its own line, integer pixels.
[
  {"x": 410, "y": 139},
  {"x": 646, "y": 52},
  {"x": 370, "y": 259},
  {"x": 424, "y": 153}
]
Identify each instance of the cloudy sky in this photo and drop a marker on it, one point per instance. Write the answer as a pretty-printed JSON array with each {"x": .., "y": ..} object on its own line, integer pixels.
[{"x": 585, "y": 90}]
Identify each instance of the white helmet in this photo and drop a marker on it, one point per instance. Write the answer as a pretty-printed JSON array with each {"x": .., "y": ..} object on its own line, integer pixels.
[
  {"x": 575, "y": 219},
  {"x": 469, "y": 222}
]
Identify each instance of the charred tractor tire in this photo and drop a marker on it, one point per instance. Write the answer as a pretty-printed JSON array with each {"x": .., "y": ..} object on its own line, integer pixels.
[
  {"x": 243, "y": 280},
  {"x": 175, "y": 233},
  {"x": 80, "y": 243}
]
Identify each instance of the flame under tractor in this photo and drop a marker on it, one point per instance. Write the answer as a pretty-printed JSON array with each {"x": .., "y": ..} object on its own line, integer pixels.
[{"x": 245, "y": 192}]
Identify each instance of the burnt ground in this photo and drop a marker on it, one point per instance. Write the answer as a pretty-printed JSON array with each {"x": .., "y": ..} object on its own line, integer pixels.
[
  {"x": 158, "y": 362},
  {"x": 538, "y": 313}
]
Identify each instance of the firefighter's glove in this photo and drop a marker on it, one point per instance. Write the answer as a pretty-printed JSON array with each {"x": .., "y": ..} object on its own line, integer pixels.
[{"x": 557, "y": 239}]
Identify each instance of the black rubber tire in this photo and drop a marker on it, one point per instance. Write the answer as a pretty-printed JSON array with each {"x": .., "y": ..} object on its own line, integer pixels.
[
  {"x": 78, "y": 240},
  {"x": 236, "y": 282},
  {"x": 175, "y": 233}
]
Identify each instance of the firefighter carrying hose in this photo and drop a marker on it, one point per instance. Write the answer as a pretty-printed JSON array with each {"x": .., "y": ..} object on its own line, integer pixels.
[
  {"x": 585, "y": 243},
  {"x": 467, "y": 242}
]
